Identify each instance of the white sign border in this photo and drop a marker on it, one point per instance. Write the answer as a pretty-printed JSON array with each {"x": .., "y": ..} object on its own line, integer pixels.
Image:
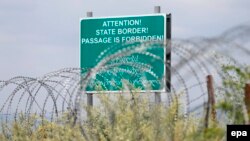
[{"x": 164, "y": 89}]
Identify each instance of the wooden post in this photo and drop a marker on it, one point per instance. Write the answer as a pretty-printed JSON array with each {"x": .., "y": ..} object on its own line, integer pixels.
[
  {"x": 247, "y": 98},
  {"x": 211, "y": 95},
  {"x": 157, "y": 9},
  {"x": 211, "y": 101},
  {"x": 89, "y": 95}
]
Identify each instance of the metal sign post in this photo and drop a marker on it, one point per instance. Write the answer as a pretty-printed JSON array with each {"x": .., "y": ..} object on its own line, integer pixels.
[
  {"x": 157, "y": 9},
  {"x": 89, "y": 95}
]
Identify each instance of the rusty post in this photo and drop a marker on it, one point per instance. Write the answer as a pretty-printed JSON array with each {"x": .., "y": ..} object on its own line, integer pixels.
[
  {"x": 211, "y": 101},
  {"x": 210, "y": 88}
]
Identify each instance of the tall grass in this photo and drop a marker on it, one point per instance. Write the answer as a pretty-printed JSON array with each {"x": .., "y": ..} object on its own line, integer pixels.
[{"x": 119, "y": 118}]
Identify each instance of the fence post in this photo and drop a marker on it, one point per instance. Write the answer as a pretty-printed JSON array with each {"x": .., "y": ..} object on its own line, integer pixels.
[
  {"x": 211, "y": 101},
  {"x": 247, "y": 98},
  {"x": 89, "y": 95},
  {"x": 157, "y": 9}
]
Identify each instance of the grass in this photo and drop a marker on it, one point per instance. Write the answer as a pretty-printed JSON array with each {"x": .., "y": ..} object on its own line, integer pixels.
[{"x": 132, "y": 118}]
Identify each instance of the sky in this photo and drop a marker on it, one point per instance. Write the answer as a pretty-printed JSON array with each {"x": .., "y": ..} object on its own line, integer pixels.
[{"x": 41, "y": 36}]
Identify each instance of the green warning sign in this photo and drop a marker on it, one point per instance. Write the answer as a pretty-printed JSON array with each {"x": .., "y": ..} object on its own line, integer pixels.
[{"x": 99, "y": 34}]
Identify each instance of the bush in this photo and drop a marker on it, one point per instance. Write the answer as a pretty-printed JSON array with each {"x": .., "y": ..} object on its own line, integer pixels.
[{"x": 118, "y": 118}]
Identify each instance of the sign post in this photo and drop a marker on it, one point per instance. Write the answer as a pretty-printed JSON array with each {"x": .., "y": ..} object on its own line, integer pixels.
[
  {"x": 89, "y": 95},
  {"x": 157, "y": 9}
]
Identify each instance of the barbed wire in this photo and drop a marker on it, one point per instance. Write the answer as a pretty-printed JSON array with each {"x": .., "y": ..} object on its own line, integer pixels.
[{"x": 192, "y": 60}]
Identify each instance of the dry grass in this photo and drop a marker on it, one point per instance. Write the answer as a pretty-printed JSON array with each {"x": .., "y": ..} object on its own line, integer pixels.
[{"x": 131, "y": 118}]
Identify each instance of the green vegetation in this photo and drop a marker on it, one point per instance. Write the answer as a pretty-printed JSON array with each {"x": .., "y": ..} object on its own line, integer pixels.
[
  {"x": 118, "y": 118},
  {"x": 232, "y": 102},
  {"x": 134, "y": 117}
]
